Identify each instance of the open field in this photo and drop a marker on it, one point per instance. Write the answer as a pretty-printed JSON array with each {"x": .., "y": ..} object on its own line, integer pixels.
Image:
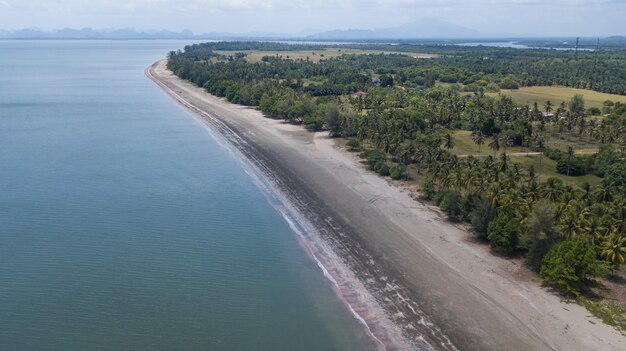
[
  {"x": 464, "y": 145},
  {"x": 544, "y": 166},
  {"x": 316, "y": 55},
  {"x": 528, "y": 95}
]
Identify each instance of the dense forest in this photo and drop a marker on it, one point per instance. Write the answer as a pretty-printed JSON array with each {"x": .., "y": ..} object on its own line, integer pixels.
[
  {"x": 570, "y": 234},
  {"x": 477, "y": 68}
]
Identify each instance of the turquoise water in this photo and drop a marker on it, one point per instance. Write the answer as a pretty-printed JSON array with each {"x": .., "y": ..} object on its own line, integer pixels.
[{"x": 125, "y": 226}]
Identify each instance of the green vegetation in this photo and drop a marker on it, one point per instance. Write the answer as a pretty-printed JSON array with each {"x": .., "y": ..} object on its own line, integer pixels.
[
  {"x": 559, "y": 94},
  {"x": 546, "y": 181}
]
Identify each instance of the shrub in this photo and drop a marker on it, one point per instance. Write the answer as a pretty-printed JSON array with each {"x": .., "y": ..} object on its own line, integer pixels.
[
  {"x": 397, "y": 172},
  {"x": 554, "y": 154},
  {"x": 375, "y": 159},
  {"x": 571, "y": 265},
  {"x": 492, "y": 88},
  {"x": 484, "y": 211},
  {"x": 604, "y": 159},
  {"x": 576, "y": 166},
  {"x": 353, "y": 144},
  {"x": 503, "y": 232},
  {"x": 616, "y": 174},
  {"x": 450, "y": 203},
  {"x": 541, "y": 234},
  {"x": 382, "y": 169},
  {"x": 428, "y": 188}
]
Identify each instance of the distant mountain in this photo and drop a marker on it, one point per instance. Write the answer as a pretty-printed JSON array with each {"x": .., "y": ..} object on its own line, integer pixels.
[
  {"x": 89, "y": 33},
  {"x": 420, "y": 29},
  {"x": 131, "y": 34}
]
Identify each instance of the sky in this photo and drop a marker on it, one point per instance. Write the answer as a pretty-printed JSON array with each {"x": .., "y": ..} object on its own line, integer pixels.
[{"x": 493, "y": 17}]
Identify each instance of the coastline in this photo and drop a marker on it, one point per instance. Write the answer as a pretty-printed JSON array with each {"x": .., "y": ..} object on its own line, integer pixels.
[{"x": 421, "y": 270}]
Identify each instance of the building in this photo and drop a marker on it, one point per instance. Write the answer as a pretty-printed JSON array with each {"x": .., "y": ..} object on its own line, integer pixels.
[{"x": 359, "y": 94}]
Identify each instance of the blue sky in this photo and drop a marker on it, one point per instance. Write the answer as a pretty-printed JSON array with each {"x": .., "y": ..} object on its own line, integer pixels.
[{"x": 519, "y": 17}]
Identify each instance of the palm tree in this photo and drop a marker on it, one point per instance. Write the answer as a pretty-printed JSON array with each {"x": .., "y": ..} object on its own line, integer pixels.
[
  {"x": 479, "y": 139},
  {"x": 614, "y": 248},
  {"x": 448, "y": 141},
  {"x": 506, "y": 141},
  {"x": 570, "y": 154},
  {"x": 552, "y": 189},
  {"x": 548, "y": 106},
  {"x": 495, "y": 144},
  {"x": 504, "y": 162}
]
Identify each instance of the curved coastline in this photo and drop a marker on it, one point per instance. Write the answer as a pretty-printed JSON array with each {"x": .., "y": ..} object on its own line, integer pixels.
[{"x": 411, "y": 278}]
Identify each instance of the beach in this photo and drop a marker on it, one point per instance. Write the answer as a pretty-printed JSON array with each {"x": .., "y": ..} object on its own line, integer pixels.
[{"x": 416, "y": 280}]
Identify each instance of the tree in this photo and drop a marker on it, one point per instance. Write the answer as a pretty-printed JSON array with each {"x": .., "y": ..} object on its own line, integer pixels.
[
  {"x": 495, "y": 144},
  {"x": 484, "y": 211},
  {"x": 332, "y": 118},
  {"x": 577, "y": 105},
  {"x": 616, "y": 174},
  {"x": 614, "y": 248},
  {"x": 541, "y": 233},
  {"x": 503, "y": 232},
  {"x": 570, "y": 154},
  {"x": 479, "y": 139},
  {"x": 448, "y": 141},
  {"x": 548, "y": 106},
  {"x": 570, "y": 265}
]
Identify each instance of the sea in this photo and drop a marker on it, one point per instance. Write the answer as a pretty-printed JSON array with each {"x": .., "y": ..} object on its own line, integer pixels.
[{"x": 126, "y": 225}]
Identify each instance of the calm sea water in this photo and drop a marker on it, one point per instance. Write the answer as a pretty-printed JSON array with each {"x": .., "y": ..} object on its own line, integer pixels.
[{"x": 125, "y": 226}]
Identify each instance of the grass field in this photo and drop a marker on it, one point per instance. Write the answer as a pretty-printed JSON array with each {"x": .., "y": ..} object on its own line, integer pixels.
[
  {"x": 528, "y": 95},
  {"x": 464, "y": 145},
  {"x": 546, "y": 168},
  {"x": 316, "y": 55}
]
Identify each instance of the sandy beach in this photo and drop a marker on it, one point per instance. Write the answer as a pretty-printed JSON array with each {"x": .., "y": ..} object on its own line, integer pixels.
[{"x": 416, "y": 280}]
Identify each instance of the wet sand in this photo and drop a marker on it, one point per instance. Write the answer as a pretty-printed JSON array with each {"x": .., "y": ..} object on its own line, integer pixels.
[{"x": 413, "y": 277}]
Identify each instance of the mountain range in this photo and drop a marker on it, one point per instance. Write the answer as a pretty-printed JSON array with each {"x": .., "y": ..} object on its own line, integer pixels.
[
  {"x": 424, "y": 28},
  {"x": 420, "y": 29}
]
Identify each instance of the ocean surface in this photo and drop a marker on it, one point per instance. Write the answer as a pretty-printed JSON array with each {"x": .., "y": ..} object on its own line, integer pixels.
[{"x": 125, "y": 225}]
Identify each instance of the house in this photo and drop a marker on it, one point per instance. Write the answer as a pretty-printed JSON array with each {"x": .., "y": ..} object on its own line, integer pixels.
[
  {"x": 376, "y": 81},
  {"x": 359, "y": 94}
]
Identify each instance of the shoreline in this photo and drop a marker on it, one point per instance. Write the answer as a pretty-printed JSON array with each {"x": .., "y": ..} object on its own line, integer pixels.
[{"x": 434, "y": 284}]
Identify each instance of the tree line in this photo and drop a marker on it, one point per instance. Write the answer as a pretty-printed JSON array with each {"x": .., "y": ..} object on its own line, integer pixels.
[{"x": 568, "y": 234}]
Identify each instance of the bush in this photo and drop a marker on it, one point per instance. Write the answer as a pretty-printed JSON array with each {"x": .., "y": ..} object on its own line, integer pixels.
[
  {"x": 492, "y": 88},
  {"x": 353, "y": 144},
  {"x": 554, "y": 154},
  {"x": 428, "y": 189},
  {"x": 594, "y": 111},
  {"x": 484, "y": 211},
  {"x": 541, "y": 234},
  {"x": 604, "y": 159},
  {"x": 571, "y": 265},
  {"x": 503, "y": 232},
  {"x": 397, "y": 172},
  {"x": 616, "y": 174},
  {"x": 375, "y": 159},
  {"x": 450, "y": 203},
  {"x": 382, "y": 169},
  {"x": 576, "y": 166}
]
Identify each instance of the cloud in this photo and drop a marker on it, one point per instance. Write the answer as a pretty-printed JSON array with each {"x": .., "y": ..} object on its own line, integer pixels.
[{"x": 557, "y": 17}]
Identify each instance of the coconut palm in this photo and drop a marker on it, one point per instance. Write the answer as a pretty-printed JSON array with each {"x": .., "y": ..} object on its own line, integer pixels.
[
  {"x": 479, "y": 139},
  {"x": 495, "y": 144},
  {"x": 552, "y": 189},
  {"x": 614, "y": 248},
  {"x": 448, "y": 141},
  {"x": 570, "y": 154}
]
